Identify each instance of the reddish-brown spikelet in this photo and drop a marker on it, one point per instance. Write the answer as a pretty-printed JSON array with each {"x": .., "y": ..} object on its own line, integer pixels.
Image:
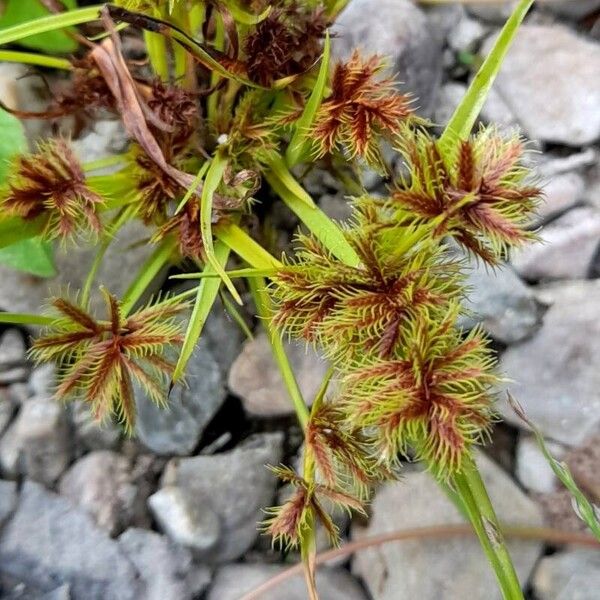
[
  {"x": 479, "y": 194},
  {"x": 50, "y": 184},
  {"x": 101, "y": 359},
  {"x": 362, "y": 107}
]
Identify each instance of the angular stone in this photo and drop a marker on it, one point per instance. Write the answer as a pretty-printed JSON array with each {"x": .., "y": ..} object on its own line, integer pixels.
[
  {"x": 543, "y": 103},
  {"x": 493, "y": 12},
  {"x": 501, "y": 302},
  {"x": 570, "y": 575},
  {"x": 49, "y": 542},
  {"x": 234, "y": 485},
  {"x": 565, "y": 250},
  {"x": 91, "y": 434},
  {"x": 399, "y": 30},
  {"x": 165, "y": 568},
  {"x": 455, "y": 569},
  {"x": 233, "y": 581},
  {"x": 8, "y": 499},
  {"x": 255, "y": 378},
  {"x": 561, "y": 193},
  {"x": 102, "y": 484},
  {"x": 449, "y": 98},
  {"x": 554, "y": 373},
  {"x": 8, "y": 407},
  {"x": 572, "y": 10},
  {"x": 178, "y": 428},
  {"x": 533, "y": 470},
  {"x": 184, "y": 519},
  {"x": 466, "y": 35},
  {"x": 37, "y": 443}
]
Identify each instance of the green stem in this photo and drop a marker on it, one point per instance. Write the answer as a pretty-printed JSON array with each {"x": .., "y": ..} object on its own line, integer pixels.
[
  {"x": 473, "y": 494},
  {"x": 33, "y": 58},
  {"x": 265, "y": 312},
  {"x": 50, "y": 23},
  {"x": 106, "y": 161},
  {"x": 24, "y": 319}
]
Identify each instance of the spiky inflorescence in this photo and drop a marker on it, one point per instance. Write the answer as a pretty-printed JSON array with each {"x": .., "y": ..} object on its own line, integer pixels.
[
  {"x": 433, "y": 396},
  {"x": 342, "y": 454},
  {"x": 287, "y": 42},
  {"x": 50, "y": 184},
  {"x": 358, "y": 310},
  {"x": 362, "y": 107},
  {"x": 478, "y": 194},
  {"x": 288, "y": 523},
  {"x": 101, "y": 359}
]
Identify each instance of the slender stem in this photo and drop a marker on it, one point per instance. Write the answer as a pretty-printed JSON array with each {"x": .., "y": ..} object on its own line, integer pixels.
[
  {"x": 107, "y": 161},
  {"x": 24, "y": 319},
  {"x": 33, "y": 58},
  {"x": 437, "y": 532},
  {"x": 471, "y": 489},
  {"x": 263, "y": 307},
  {"x": 50, "y": 23}
]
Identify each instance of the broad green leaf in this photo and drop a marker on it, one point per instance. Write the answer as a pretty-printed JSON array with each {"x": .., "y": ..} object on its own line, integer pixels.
[
  {"x": 12, "y": 140},
  {"x": 299, "y": 143},
  {"x": 32, "y": 255},
  {"x": 213, "y": 179},
  {"x": 245, "y": 247},
  {"x": 584, "y": 509},
  {"x": 20, "y": 12},
  {"x": 465, "y": 115},
  {"x": 49, "y": 23},
  {"x": 318, "y": 223},
  {"x": 208, "y": 291},
  {"x": 13, "y": 230}
]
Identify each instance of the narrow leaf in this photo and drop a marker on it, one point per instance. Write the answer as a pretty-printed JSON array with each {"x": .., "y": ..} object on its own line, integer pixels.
[
  {"x": 207, "y": 294},
  {"x": 468, "y": 110},
  {"x": 149, "y": 270},
  {"x": 245, "y": 247},
  {"x": 24, "y": 319},
  {"x": 241, "y": 15},
  {"x": 234, "y": 273},
  {"x": 299, "y": 143},
  {"x": 318, "y": 223},
  {"x": 214, "y": 176},
  {"x": 281, "y": 173}
]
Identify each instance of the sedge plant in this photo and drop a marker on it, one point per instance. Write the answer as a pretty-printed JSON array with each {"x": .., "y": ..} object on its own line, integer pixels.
[{"x": 238, "y": 102}]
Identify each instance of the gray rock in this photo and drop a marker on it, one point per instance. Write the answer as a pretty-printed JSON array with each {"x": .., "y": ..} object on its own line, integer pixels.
[
  {"x": 492, "y": 12},
  {"x": 13, "y": 355},
  {"x": 21, "y": 292},
  {"x": 554, "y": 373},
  {"x": 532, "y": 468},
  {"x": 443, "y": 18},
  {"x": 223, "y": 336},
  {"x": 8, "y": 499},
  {"x": 584, "y": 464},
  {"x": 8, "y": 407},
  {"x": 177, "y": 428},
  {"x": 90, "y": 434},
  {"x": 42, "y": 380},
  {"x": 235, "y": 486},
  {"x": 466, "y": 35},
  {"x": 233, "y": 581},
  {"x": 565, "y": 250},
  {"x": 184, "y": 519},
  {"x": 102, "y": 484},
  {"x": 561, "y": 193},
  {"x": 570, "y": 575},
  {"x": 544, "y": 104},
  {"x": 497, "y": 112},
  {"x": 255, "y": 378},
  {"x": 165, "y": 568},
  {"x": 37, "y": 444},
  {"x": 501, "y": 302},
  {"x": 49, "y": 542},
  {"x": 461, "y": 569},
  {"x": 336, "y": 207},
  {"x": 400, "y": 30},
  {"x": 572, "y": 10},
  {"x": 106, "y": 138}
]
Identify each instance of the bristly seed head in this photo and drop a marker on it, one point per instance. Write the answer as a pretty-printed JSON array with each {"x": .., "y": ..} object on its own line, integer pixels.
[
  {"x": 478, "y": 194},
  {"x": 99, "y": 360},
  {"x": 433, "y": 396},
  {"x": 363, "y": 107},
  {"x": 50, "y": 184}
]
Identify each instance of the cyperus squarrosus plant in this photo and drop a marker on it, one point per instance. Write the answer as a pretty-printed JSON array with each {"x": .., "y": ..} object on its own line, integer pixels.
[{"x": 242, "y": 100}]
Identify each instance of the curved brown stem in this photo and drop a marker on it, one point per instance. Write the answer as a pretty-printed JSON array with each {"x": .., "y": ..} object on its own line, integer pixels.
[{"x": 547, "y": 534}]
